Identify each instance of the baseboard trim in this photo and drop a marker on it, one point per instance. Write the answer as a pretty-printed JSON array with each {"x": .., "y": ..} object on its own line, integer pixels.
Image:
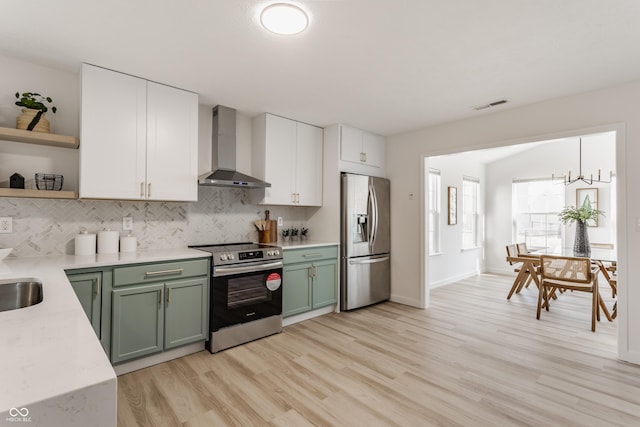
[
  {"x": 406, "y": 301},
  {"x": 452, "y": 279},
  {"x": 165, "y": 356},
  {"x": 309, "y": 315},
  {"x": 630, "y": 356}
]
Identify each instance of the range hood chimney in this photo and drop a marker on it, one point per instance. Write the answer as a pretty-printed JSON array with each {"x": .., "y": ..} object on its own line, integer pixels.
[{"x": 223, "y": 154}]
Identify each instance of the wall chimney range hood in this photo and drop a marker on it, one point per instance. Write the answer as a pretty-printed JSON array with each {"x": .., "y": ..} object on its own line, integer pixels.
[{"x": 223, "y": 154}]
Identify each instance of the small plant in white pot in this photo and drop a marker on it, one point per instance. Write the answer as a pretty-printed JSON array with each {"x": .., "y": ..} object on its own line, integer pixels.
[
  {"x": 32, "y": 117},
  {"x": 294, "y": 233}
]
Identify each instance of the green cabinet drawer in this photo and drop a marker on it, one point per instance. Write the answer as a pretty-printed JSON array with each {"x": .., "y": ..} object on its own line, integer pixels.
[
  {"x": 159, "y": 271},
  {"x": 291, "y": 256}
]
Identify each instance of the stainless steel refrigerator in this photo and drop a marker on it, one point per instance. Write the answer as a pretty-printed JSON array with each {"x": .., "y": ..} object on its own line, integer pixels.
[{"x": 365, "y": 271}]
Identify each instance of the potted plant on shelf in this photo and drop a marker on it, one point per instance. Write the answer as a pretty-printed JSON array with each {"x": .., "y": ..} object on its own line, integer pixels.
[
  {"x": 580, "y": 216},
  {"x": 32, "y": 117},
  {"x": 294, "y": 234},
  {"x": 285, "y": 234},
  {"x": 304, "y": 233}
]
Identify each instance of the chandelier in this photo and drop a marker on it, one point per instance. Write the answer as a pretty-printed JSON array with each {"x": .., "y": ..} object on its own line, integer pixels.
[{"x": 567, "y": 180}]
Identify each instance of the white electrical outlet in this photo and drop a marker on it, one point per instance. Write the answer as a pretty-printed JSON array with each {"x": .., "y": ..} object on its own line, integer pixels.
[
  {"x": 280, "y": 221},
  {"x": 6, "y": 225},
  {"x": 127, "y": 223}
]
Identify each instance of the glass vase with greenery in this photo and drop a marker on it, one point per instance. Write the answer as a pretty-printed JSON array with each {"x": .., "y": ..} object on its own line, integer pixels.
[
  {"x": 585, "y": 213},
  {"x": 580, "y": 216}
]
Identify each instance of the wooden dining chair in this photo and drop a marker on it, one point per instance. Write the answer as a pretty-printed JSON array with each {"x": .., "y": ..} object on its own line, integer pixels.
[
  {"x": 569, "y": 273},
  {"x": 522, "y": 248},
  {"x": 521, "y": 280},
  {"x": 614, "y": 284}
]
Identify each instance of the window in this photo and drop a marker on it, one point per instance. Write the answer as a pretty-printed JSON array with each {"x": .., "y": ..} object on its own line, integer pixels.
[
  {"x": 470, "y": 215},
  {"x": 535, "y": 208},
  {"x": 435, "y": 203}
]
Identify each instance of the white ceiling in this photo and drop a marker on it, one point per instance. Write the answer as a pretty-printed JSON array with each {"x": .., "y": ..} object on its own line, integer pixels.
[{"x": 382, "y": 65}]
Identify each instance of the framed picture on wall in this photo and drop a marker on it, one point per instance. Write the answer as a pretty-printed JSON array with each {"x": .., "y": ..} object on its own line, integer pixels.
[
  {"x": 453, "y": 205},
  {"x": 582, "y": 194}
]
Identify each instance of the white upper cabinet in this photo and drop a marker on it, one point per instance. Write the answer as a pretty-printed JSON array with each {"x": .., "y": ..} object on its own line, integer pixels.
[
  {"x": 373, "y": 149},
  {"x": 172, "y": 143},
  {"x": 309, "y": 165},
  {"x": 139, "y": 139},
  {"x": 361, "y": 147},
  {"x": 288, "y": 155}
]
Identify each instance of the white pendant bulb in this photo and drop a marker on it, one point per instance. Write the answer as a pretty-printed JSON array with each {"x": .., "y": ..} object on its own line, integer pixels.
[{"x": 284, "y": 19}]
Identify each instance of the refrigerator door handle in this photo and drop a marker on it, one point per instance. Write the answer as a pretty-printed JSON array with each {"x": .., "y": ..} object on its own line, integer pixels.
[
  {"x": 369, "y": 260},
  {"x": 374, "y": 217}
]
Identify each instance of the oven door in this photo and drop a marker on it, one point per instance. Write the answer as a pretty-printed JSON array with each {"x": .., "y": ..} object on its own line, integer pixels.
[{"x": 245, "y": 293}]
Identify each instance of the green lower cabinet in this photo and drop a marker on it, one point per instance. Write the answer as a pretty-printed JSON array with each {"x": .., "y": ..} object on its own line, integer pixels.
[
  {"x": 309, "y": 285},
  {"x": 138, "y": 310},
  {"x": 296, "y": 290},
  {"x": 150, "y": 318},
  {"x": 137, "y": 326},
  {"x": 325, "y": 282},
  {"x": 186, "y": 312},
  {"x": 88, "y": 288}
]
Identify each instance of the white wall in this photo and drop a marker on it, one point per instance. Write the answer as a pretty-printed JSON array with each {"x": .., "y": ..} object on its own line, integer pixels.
[
  {"x": 616, "y": 107},
  {"x": 541, "y": 161},
  {"x": 453, "y": 263},
  {"x": 64, "y": 88}
]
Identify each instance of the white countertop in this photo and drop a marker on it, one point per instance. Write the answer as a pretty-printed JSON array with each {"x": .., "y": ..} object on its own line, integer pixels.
[
  {"x": 50, "y": 349},
  {"x": 303, "y": 244}
]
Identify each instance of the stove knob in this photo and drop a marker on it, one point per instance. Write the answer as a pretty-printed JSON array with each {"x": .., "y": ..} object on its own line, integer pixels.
[
  {"x": 223, "y": 257},
  {"x": 269, "y": 252},
  {"x": 277, "y": 252},
  {"x": 232, "y": 256}
]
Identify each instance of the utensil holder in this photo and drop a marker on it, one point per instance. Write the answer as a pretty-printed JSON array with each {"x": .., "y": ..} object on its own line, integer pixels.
[{"x": 264, "y": 236}]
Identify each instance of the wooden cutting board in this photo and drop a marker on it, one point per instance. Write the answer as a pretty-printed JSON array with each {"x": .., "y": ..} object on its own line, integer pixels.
[
  {"x": 273, "y": 228},
  {"x": 274, "y": 231}
]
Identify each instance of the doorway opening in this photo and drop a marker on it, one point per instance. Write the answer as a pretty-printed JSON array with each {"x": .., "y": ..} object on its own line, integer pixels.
[{"x": 518, "y": 201}]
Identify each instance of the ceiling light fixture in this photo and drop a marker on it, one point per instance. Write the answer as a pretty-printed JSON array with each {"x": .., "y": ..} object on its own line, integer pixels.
[
  {"x": 567, "y": 178},
  {"x": 284, "y": 19}
]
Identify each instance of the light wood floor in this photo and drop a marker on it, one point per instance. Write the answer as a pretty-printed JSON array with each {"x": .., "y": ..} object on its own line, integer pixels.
[{"x": 472, "y": 359}]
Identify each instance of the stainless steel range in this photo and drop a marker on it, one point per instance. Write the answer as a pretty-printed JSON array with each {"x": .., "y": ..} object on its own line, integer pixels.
[{"x": 246, "y": 293}]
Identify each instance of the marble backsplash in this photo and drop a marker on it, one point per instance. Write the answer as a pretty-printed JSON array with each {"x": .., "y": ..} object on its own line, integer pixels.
[{"x": 48, "y": 226}]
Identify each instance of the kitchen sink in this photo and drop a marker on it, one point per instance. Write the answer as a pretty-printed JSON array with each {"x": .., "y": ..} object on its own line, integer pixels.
[{"x": 19, "y": 293}]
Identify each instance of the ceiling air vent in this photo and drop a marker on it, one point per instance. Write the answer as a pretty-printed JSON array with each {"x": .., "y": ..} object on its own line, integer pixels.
[{"x": 490, "y": 104}]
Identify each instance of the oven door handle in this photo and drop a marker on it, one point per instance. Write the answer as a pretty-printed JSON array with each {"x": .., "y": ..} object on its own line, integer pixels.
[{"x": 227, "y": 271}]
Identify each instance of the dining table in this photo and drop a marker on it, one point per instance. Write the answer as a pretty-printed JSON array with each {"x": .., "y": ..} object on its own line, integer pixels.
[{"x": 530, "y": 267}]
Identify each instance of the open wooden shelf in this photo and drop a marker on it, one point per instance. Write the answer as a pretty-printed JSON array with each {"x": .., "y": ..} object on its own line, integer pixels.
[
  {"x": 41, "y": 138},
  {"x": 37, "y": 194}
]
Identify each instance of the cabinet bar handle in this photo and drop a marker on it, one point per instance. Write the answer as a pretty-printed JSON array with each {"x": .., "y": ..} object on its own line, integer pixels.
[
  {"x": 98, "y": 286},
  {"x": 313, "y": 255},
  {"x": 149, "y": 190},
  {"x": 142, "y": 189},
  {"x": 160, "y": 298},
  {"x": 168, "y": 295},
  {"x": 164, "y": 272}
]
